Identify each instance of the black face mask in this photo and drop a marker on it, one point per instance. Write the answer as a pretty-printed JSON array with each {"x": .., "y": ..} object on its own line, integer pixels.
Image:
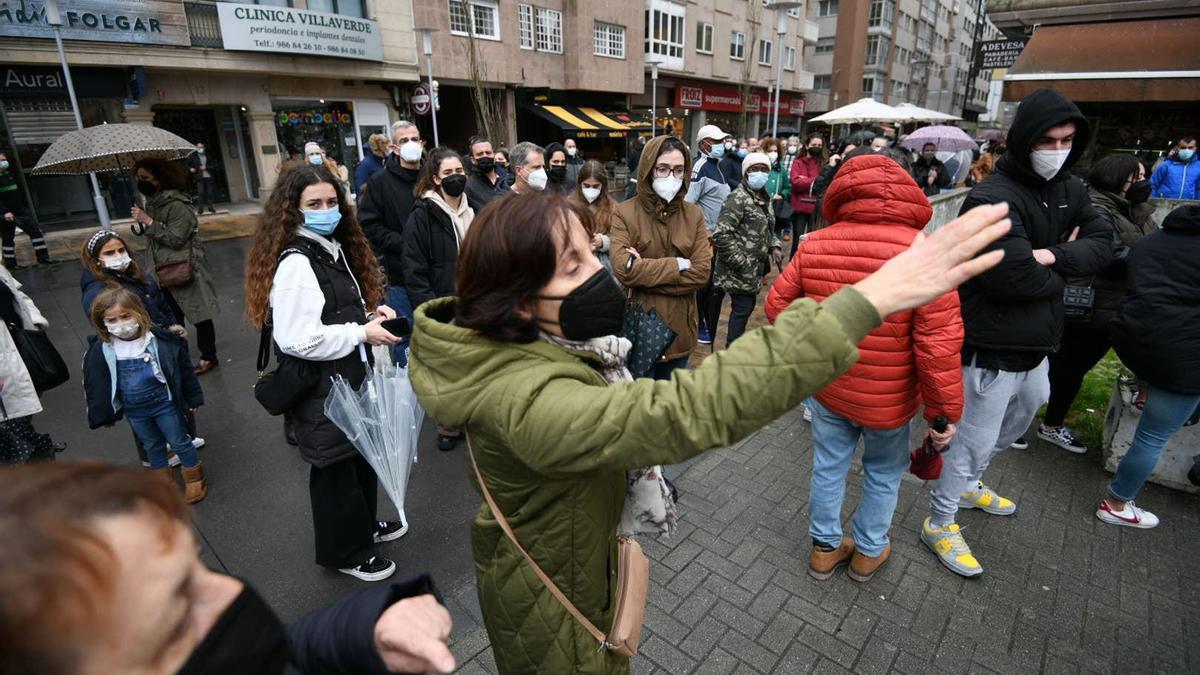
[
  {"x": 557, "y": 173},
  {"x": 147, "y": 188},
  {"x": 595, "y": 309},
  {"x": 814, "y": 152},
  {"x": 485, "y": 165},
  {"x": 1138, "y": 192},
  {"x": 454, "y": 184},
  {"x": 246, "y": 639}
]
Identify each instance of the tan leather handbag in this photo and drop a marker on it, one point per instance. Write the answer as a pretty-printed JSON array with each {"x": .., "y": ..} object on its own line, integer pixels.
[{"x": 633, "y": 581}]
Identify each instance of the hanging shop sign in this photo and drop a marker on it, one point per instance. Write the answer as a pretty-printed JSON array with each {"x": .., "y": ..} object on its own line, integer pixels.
[
  {"x": 993, "y": 54},
  {"x": 420, "y": 99},
  {"x": 282, "y": 30},
  {"x": 719, "y": 99},
  {"x": 154, "y": 22}
]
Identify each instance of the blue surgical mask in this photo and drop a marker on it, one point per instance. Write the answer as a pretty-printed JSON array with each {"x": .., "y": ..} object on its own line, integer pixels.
[
  {"x": 322, "y": 221},
  {"x": 4, "y": 165},
  {"x": 717, "y": 150},
  {"x": 741, "y": 153},
  {"x": 1186, "y": 155},
  {"x": 756, "y": 180},
  {"x": 315, "y": 160}
]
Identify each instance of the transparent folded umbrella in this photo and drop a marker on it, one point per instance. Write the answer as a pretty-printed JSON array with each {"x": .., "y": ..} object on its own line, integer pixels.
[{"x": 382, "y": 419}]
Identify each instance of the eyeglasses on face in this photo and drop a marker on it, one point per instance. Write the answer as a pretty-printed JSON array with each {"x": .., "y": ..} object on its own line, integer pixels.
[{"x": 662, "y": 171}]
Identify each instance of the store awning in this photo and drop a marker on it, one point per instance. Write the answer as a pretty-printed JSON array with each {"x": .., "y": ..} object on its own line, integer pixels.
[
  {"x": 1127, "y": 61},
  {"x": 581, "y": 121}
]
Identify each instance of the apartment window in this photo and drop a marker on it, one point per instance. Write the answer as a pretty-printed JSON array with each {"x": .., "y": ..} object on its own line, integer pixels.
[
  {"x": 525, "y": 25},
  {"x": 827, "y": 8},
  {"x": 704, "y": 37},
  {"x": 824, "y": 46},
  {"x": 881, "y": 14},
  {"x": 899, "y": 89},
  {"x": 664, "y": 32},
  {"x": 872, "y": 86},
  {"x": 823, "y": 82},
  {"x": 343, "y": 7},
  {"x": 902, "y": 56},
  {"x": 737, "y": 46},
  {"x": 877, "y": 50},
  {"x": 764, "y": 52},
  {"x": 480, "y": 17},
  {"x": 789, "y": 58},
  {"x": 609, "y": 39},
  {"x": 908, "y": 22},
  {"x": 548, "y": 30}
]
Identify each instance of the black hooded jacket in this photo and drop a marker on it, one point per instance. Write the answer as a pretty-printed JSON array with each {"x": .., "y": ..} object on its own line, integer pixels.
[
  {"x": 1013, "y": 313},
  {"x": 1157, "y": 330},
  {"x": 383, "y": 210}
]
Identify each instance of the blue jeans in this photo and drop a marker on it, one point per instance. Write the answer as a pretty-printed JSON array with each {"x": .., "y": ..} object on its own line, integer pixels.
[
  {"x": 1164, "y": 414},
  {"x": 397, "y": 299},
  {"x": 663, "y": 369},
  {"x": 155, "y": 418},
  {"x": 885, "y": 459}
]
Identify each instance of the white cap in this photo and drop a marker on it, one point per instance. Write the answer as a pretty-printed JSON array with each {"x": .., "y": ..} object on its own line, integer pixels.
[
  {"x": 755, "y": 158},
  {"x": 711, "y": 131},
  {"x": 311, "y": 148}
]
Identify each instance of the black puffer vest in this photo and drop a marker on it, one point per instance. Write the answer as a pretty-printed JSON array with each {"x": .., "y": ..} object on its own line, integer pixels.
[{"x": 321, "y": 442}]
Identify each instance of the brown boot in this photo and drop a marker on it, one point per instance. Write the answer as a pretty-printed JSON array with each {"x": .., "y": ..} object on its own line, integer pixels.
[
  {"x": 822, "y": 564},
  {"x": 197, "y": 487},
  {"x": 164, "y": 474},
  {"x": 863, "y": 567}
]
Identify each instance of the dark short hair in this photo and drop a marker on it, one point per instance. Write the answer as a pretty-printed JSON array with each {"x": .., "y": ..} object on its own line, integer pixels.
[
  {"x": 927, "y": 144},
  {"x": 170, "y": 175},
  {"x": 473, "y": 141},
  {"x": 815, "y": 134},
  {"x": 510, "y": 253},
  {"x": 1110, "y": 173},
  {"x": 1185, "y": 139}
]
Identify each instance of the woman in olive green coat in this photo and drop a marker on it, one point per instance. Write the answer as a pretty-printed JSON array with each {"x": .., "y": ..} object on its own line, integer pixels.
[
  {"x": 169, "y": 225},
  {"x": 519, "y": 361}
]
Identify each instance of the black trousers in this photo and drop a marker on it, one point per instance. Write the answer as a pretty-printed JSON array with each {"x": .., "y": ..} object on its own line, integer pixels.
[
  {"x": 8, "y": 240},
  {"x": 741, "y": 307},
  {"x": 343, "y": 510},
  {"x": 800, "y": 225},
  {"x": 1082, "y": 348},
  {"x": 702, "y": 301},
  {"x": 204, "y": 197},
  {"x": 206, "y": 332}
]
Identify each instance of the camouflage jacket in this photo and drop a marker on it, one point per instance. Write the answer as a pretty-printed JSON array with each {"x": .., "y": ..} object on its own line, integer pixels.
[{"x": 743, "y": 241}]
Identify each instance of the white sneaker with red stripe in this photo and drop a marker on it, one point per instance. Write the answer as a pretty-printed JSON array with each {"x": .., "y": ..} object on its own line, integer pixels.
[{"x": 1131, "y": 516}]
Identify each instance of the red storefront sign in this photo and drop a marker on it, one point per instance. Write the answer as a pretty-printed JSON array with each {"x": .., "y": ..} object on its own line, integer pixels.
[{"x": 729, "y": 99}]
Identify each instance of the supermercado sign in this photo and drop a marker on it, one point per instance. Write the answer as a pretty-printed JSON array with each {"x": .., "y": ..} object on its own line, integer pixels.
[{"x": 296, "y": 31}]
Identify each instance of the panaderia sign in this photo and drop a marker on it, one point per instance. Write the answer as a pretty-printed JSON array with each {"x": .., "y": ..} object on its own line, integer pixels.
[{"x": 282, "y": 30}]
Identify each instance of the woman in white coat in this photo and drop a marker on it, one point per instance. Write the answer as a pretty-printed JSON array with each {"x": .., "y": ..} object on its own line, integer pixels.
[{"x": 19, "y": 441}]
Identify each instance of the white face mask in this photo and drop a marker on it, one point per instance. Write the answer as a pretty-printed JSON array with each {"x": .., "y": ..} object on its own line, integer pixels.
[
  {"x": 1047, "y": 163},
  {"x": 792, "y": 149},
  {"x": 591, "y": 194},
  {"x": 537, "y": 179},
  {"x": 117, "y": 262},
  {"x": 410, "y": 151},
  {"x": 667, "y": 187},
  {"x": 571, "y": 151},
  {"x": 122, "y": 330},
  {"x": 774, "y": 156}
]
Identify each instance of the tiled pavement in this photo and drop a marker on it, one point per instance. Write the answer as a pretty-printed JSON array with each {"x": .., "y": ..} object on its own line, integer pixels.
[{"x": 1061, "y": 592}]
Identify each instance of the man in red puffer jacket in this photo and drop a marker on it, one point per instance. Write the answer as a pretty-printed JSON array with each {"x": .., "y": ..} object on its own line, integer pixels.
[{"x": 877, "y": 211}]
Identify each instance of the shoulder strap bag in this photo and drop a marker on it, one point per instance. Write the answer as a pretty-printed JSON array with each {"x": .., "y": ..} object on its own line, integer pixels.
[
  {"x": 282, "y": 389},
  {"x": 633, "y": 581}
]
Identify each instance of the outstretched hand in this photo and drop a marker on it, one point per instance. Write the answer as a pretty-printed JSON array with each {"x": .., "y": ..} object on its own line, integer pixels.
[
  {"x": 938, "y": 263},
  {"x": 411, "y": 636}
]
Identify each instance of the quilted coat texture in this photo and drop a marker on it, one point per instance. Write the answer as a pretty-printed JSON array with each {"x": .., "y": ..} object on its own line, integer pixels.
[
  {"x": 877, "y": 210},
  {"x": 743, "y": 241},
  {"x": 553, "y": 441}
]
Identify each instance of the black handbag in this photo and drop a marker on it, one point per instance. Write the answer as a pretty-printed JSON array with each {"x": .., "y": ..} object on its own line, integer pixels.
[
  {"x": 650, "y": 335},
  {"x": 1079, "y": 302},
  {"x": 781, "y": 208},
  {"x": 46, "y": 367},
  {"x": 288, "y": 385}
]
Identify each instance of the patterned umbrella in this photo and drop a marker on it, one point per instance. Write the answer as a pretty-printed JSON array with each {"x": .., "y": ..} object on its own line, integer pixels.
[
  {"x": 946, "y": 138},
  {"x": 110, "y": 147}
]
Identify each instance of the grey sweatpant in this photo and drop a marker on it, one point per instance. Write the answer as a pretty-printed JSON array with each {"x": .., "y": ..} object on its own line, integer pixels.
[{"x": 998, "y": 406}]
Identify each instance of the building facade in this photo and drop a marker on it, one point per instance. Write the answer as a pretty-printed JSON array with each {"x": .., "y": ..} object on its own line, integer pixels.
[
  {"x": 900, "y": 51},
  {"x": 253, "y": 81}
]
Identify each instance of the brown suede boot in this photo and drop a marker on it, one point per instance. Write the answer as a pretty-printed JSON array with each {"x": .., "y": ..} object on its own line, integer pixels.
[
  {"x": 197, "y": 487},
  {"x": 863, "y": 567},
  {"x": 165, "y": 475},
  {"x": 822, "y": 564}
]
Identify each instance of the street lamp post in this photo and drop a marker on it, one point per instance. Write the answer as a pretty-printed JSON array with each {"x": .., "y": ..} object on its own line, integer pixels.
[
  {"x": 427, "y": 48},
  {"x": 54, "y": 18},
  {"x": 781, "y": 9},
  {"x": 653, "y": 63}
]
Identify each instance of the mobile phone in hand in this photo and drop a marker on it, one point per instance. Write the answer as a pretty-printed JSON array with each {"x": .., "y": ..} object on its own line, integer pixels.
[{"x": 398, "y": 326}]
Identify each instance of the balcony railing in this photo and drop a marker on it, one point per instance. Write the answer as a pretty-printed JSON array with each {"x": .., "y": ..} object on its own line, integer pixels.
[
  {"x": 811, "y": 31},
  {"x": 203, "y": 25}
]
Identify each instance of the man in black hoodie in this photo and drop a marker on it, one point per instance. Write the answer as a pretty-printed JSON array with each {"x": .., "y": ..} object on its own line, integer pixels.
[
  {"x": 1013, "y": 313},
  {"x": 383, "y": 209}
]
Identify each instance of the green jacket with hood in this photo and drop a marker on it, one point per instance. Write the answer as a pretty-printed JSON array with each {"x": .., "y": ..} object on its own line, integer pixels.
[{"x": 553, "y": 441}]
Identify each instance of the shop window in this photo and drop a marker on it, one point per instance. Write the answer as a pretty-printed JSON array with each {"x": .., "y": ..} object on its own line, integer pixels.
[
  {"x": 480, "y": 17},
  {"x": 548, "y": 35},
  {"x": 664, "y": 32},
  {"x": 609, "y": 40},
  {"x": 704, "y": 37},
  {"x": 823, "y": 82},
  {"x": 824, "y": 46},
  {"x": 827, "y": 8},
  {"x": 789, "y": 58},
  {"x": 343, "y": 7},
  {"x": 737, "y": 46},
  {"x": 525, "y": 25},
  {"x": 764, "y": 52}
]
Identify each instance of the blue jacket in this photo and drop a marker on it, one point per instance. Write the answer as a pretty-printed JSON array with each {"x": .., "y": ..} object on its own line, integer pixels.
[
  {"x": 100, "y": 377},
  {"x": 151, "y": 295},
  {"x": 1176, "y": 179},
  {"x": 368, "y": 167},
  {"x": 707, "y": 189}
]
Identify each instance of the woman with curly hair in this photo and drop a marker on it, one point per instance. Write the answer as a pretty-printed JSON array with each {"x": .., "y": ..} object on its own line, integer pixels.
[
  {"x": 169, "y": 225},
  {"x": 309, "y": 278}
]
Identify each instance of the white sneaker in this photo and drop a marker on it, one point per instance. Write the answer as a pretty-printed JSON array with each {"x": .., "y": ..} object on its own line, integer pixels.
[
  {"x": 197, "y": 442},
  {"x": 371, "y": 569},
  {"x": 172, "y": 459},
  {"x": 807, "y": 414},
  {"x": 1062, "y": 437},
  {"x": 1130, "y": 516}
]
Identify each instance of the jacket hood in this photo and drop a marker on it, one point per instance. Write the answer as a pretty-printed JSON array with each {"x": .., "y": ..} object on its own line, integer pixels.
[
  {"x": 1183, "y": 219},
  {"x": 647, "y": 198},
  {"x": 874, "y": 189},
  {"x": 392, "y": 164},
  {"x": 1039, "y": 111}
]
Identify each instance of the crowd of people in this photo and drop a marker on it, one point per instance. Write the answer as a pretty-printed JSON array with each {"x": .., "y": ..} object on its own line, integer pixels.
[{"x": 516, "y": 268}]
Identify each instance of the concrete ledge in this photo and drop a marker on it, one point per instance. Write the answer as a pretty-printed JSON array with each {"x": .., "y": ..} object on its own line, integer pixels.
[{"x": 1121, "y": 422}]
